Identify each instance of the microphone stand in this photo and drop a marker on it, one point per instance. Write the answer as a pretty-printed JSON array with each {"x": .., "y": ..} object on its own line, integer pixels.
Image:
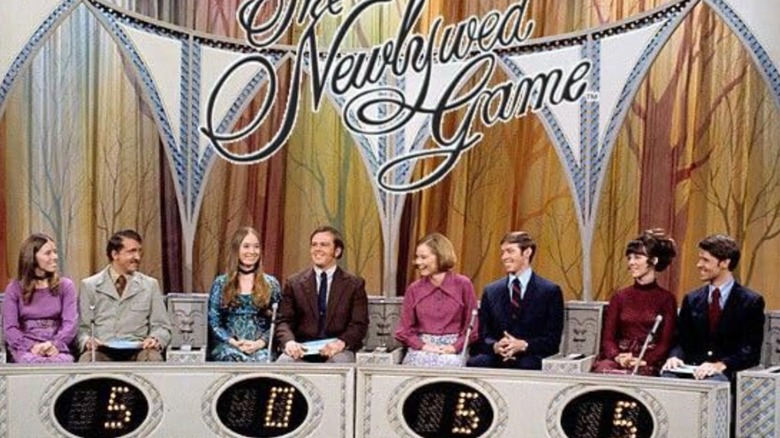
[
  {"x": 648, "y": 339},
  {"x": 468, "y": 335},
  {"x": 274, "y": 306},
  {"x": 92, "y": 332}
]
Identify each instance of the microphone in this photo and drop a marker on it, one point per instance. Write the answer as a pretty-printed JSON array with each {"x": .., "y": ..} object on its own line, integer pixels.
[
  {"x": 658, "y": 319},
  {"x": 274, "y": 306},
  {"x": 468, "y": 335},
  {"x": 92, "y": 331}
]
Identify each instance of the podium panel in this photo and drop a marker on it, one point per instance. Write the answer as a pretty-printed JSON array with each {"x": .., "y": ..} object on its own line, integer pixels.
[
  {"x": 151, "y": 400},
  {"x": 416, "y": 402},
  {"x": 758, "y": 410}
]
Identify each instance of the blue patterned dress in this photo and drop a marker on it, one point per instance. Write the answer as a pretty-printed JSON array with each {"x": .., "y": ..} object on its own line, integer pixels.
[{"x": 245, "y": 321}]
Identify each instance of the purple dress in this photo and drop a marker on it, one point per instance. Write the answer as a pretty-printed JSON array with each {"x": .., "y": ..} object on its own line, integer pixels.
[{"x": 47, "y": 317}]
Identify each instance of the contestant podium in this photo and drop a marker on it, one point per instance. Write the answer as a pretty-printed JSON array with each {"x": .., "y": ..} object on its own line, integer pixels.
[
  {"x": 416, "y": 402},
  {"x": 176, "y": 401},
  {"x": 758, "y": 409}
]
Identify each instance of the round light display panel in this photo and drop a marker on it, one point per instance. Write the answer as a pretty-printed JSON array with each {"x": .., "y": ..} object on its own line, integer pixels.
[
  {"x": 101, "y": 407},
  {"x": 262, "y": 407},
  {"x": 447, "y": 410}
]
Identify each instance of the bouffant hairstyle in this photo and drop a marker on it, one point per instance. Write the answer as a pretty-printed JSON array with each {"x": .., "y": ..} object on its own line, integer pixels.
[{"x": 655, "y": 244}]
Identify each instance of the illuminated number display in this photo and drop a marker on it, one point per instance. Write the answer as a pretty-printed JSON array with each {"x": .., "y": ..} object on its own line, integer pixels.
[
  {"x": 447, "y": 409},
  {"x": 101, "y": 407},
  {"x": 606, "y": 414},
  {"x": 262, "y": 407}
]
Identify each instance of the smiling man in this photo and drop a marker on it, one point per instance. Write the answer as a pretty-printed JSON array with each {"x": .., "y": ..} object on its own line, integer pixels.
[
  {"x": 131, "y": 323},
  {"x": 720, "y": 328},
  {"x": 521, "y": 315},
  {"x": 323, "y": 302}
]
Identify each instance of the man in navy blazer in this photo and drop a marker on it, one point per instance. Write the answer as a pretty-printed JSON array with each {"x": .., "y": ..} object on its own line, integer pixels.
[
  {"x": 720, "y": 327},
  {"x": 521, "y": 315}
]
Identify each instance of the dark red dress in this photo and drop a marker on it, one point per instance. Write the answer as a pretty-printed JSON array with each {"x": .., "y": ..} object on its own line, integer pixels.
[{"x": 629, "y": 318}]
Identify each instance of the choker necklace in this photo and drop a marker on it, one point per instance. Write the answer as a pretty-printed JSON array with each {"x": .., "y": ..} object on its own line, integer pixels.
[
  {"x": 45, "y": 276},
  {"x": 242, "y": 270}
]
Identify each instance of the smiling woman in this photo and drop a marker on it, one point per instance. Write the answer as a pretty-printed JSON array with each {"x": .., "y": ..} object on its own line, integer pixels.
[
  {"x": 437, "y": 307},
  {"x": 634, "y": 310},
  {"x": 39, "y": 312},
  {"x": 240, "y": 302}
]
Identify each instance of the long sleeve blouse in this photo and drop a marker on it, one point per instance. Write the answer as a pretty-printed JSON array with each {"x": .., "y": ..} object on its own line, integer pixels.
[
  {"x": 437, "y": 310},
  {"x": 48, "y": 317}
]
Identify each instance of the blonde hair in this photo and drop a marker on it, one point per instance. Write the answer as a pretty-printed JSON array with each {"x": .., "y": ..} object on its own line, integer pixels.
[{"x": 442, "y": 248}]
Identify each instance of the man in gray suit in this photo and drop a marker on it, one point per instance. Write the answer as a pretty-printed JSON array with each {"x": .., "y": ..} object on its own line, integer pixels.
[{"x": 125, "y": 306}]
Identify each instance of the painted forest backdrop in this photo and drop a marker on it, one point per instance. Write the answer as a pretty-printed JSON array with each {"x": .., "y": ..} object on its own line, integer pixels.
[{"x": 697, "y": 153}]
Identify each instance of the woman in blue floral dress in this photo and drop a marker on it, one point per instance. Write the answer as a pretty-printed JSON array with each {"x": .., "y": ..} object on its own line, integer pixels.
[{"x": 240, "y": 303}]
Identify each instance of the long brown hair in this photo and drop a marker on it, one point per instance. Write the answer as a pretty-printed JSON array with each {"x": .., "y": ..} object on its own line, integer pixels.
[
  {"x": 261, "y": 294},
  {"x": 25, "y": 272}
]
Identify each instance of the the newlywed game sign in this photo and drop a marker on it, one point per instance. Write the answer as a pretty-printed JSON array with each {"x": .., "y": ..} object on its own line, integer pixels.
[{"x": 374, "y": 105}]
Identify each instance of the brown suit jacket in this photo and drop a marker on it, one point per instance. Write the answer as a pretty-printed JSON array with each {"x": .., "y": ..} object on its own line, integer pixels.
[{"x": 346, "y": 317}]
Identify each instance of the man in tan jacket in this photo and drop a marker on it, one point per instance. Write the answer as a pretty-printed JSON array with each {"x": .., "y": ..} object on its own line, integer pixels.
[{"x": 125, "y": 306}]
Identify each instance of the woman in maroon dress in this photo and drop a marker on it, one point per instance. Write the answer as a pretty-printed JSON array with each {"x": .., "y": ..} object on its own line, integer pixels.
[{"x": 633, "y": 310}]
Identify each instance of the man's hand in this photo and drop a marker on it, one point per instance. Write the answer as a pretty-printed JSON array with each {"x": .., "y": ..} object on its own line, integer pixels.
[
  {"x": 511, "y": 346},
  {"x": 333, "y": 348},
  {"x": 93, "y": 344},
  {"x": 293, "y": 349},
  {"x": 150, "y": 343},
  {"x": 672, "y": 363},
  {"x": 708, "y": 369}
]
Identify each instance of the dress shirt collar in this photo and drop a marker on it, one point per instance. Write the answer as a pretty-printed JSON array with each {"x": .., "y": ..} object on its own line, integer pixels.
[
  {"x": 113, "y": 275},
  {"x": 524, "y": 277},
  {"x": 449, "y": 286},
  {"x": 725, "y": 291},
  {"x": 330, "y": 272}
]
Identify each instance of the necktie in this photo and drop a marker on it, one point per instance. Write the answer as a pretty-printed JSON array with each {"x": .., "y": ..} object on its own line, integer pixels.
[
  {"x": 714, "y": 311},
  {"x": 516, "y": 296},
  {"x": 322, "y": 300},
  {"x": 120, "y": 284}
]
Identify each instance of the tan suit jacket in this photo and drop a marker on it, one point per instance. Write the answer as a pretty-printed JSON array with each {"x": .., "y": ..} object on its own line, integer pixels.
[
  {"x": 138, "y": 314},
  {"x": 346, "y": 315}
]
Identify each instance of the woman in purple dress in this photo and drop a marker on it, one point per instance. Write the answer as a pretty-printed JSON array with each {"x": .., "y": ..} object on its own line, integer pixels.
[
  {"x": 40, "y": 316},
  {"x": 437, "y": 307},
  {"x": 633, "y": 310}
]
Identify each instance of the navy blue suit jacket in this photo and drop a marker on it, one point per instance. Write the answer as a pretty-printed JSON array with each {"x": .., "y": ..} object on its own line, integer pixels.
[
  {"x": 739, "y": 335},
  {"x": 540, "y": 322}
]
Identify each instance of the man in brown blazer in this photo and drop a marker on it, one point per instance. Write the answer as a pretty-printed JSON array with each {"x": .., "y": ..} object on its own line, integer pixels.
[{"x": 323, "y": 302}]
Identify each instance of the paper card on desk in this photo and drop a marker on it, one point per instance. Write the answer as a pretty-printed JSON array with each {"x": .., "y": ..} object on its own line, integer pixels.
[
  {"x": 314, "y": 347},
  {"x": 684, "y": 370},
  {"x": 124, "y": 344}
]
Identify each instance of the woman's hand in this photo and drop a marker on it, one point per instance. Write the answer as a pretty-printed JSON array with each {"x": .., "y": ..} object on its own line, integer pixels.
[
  {"x": 625, "y": 360},
  {"x": 41, "y": 348},
  {"x": 430, "y": 348},
  {"x": 448, "y": 349},
  {"x": 249, "y": 347}
]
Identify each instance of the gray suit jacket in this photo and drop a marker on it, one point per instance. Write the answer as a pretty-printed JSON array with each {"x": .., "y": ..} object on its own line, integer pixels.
[{"x": 138, "y": 314}]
